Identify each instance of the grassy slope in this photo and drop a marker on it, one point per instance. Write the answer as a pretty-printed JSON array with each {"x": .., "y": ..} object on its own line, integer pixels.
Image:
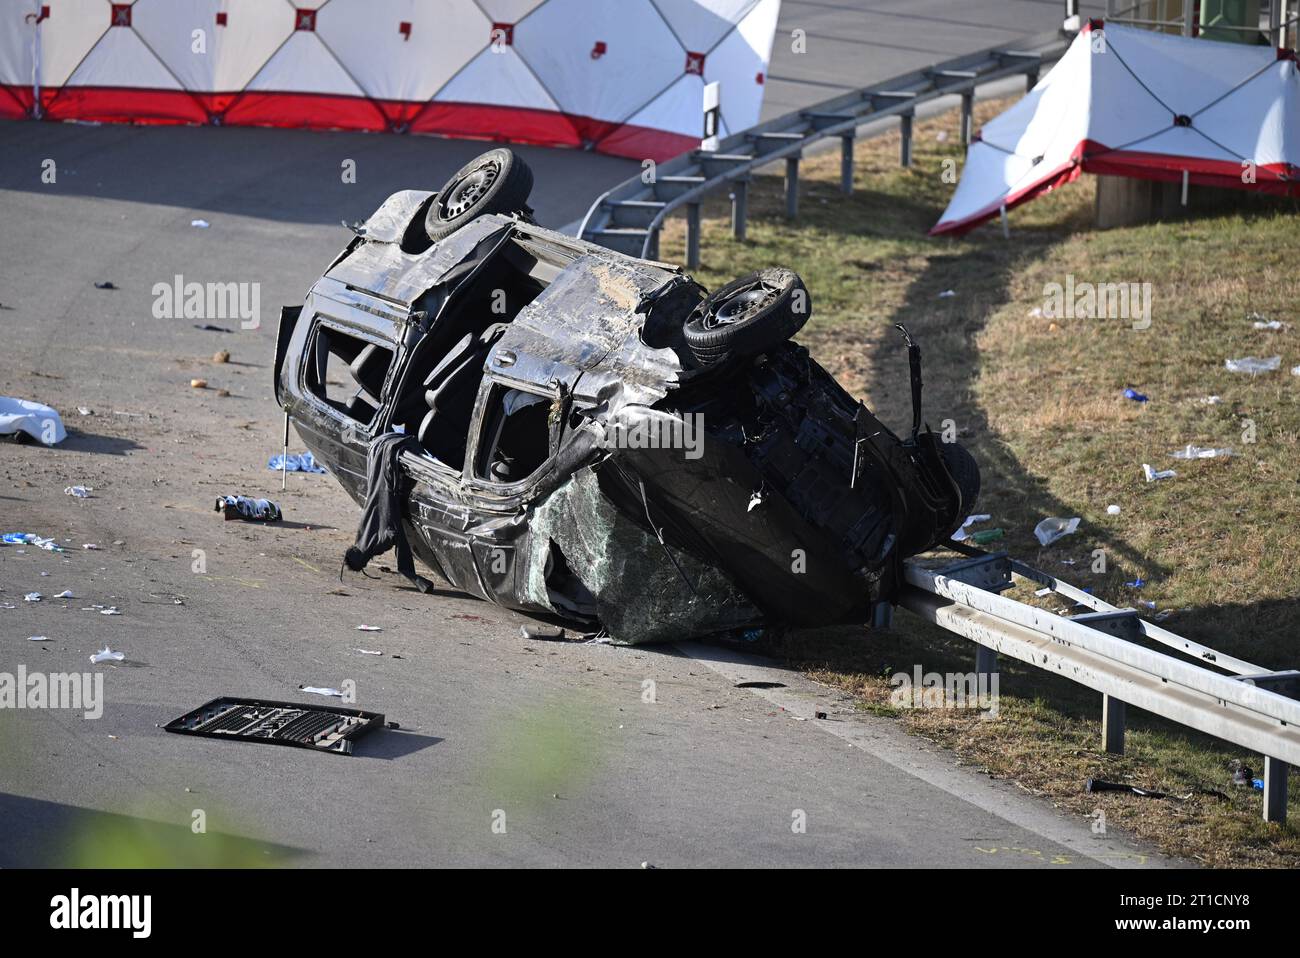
[{"x": 1039, "y": 403}]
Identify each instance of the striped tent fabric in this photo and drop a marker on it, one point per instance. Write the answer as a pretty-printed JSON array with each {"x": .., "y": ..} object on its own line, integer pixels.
[{"x": 624, "y": 77}]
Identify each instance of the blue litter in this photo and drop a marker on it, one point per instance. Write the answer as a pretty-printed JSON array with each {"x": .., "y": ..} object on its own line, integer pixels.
[
  {"x": 29, "y": 538},
  {"x": 1136, "y": 583},
  {"x": 1257, "y": 783},
  {"x": 1133, "y": 394},
  {"x": 301, "y": 462}
]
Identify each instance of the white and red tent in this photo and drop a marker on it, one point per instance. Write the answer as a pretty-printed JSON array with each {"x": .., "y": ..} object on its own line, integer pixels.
[
  {"x": 1131, "y": 102},
  {"x": 620, "y": 76}
]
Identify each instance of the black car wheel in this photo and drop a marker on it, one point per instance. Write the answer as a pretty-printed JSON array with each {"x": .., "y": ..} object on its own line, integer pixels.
[
  {"x": 495, "y": 182},
  {"x": 748, "y": 316}
]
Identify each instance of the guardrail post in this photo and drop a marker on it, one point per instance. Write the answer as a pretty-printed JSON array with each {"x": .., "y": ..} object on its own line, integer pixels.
[
  {"x": 791, "y": 187},
  {"x": 1113, "y": 716},
  {"x": 846, "y": 164},
  {"x": 986, "y": 663},
  {"x": 967, "y": 116},
  {"x": 739, "y": 208},
  {"x": 905, "y": 145},
  {"x": 1275, "y": 773},
  {"x": 652, "y": 244},
  {"x": 692, "y": 235}
]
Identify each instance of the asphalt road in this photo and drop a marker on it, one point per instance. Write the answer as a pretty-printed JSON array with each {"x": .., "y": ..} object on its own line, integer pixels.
[{"x": 510, "y": 752}]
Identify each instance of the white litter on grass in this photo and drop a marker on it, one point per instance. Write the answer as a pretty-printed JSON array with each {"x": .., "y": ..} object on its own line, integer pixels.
[
  {"x": 84, "y": 411},
  {"x": 320, "y": 691},
  {"x": 1198, "y": 452},
  {"x": 948, "y": 294},
  {"x": 107, "y": 655},
  {"x": 960, "y": 534},
  {"x": 1253, "y": 364},
  {"x": 1112, "y": 510},
  {"x": 368, "y": 651},
  {"x": 33, "y": 597},
  {"x": 1054, "y": 528},
  {"x": 1295, "y": 370},
  {"x": 1044, "y": 591},
  {"x": 1153, "y": 474},
  {"x": 81, "y": 492},
  {"x": 1210, "y": 400},
  {"x": 369, "y": 628},
  {"x": 755, "y": 499},
  {"x": 1273, "y": 324},
  {"x": 38, "y": 638}
]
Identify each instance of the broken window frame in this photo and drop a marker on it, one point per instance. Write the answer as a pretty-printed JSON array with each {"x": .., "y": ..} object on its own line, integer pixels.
[
  {"x": 321, "y": 321},
  {"x": 486, "y": 432}
]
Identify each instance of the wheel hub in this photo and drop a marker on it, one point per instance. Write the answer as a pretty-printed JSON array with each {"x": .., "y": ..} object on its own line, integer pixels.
[
  {"x": 740, "y": 307},
  {"x": 469, "y": 189}
]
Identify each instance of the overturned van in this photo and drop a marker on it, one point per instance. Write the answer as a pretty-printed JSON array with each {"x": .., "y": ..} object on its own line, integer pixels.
[{"x": 596, "y": 437}]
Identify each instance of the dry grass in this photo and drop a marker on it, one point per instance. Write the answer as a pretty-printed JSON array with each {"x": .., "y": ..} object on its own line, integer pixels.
[{"x": 1039, "y": 402}]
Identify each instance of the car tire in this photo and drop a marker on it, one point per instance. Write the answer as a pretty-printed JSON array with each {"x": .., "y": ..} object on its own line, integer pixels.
[
  {"x": 965, "y": 471},
  {"x": 497, "y": 181},
  {"x": 748, "y": 316}
]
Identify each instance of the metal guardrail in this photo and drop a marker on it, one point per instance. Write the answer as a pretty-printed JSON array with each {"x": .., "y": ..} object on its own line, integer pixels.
[
  {"x": 1244, "y": 704},
  {"x": 1276, "y": 28},
  {"x": 628, "y": 217}
]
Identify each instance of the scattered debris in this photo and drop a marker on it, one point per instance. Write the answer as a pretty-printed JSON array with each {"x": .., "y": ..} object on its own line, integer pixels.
[
  {"x": 33, "y": 597},
  {"x": 820, "y": 715},
  {"x": 1197, "y": 452},
  {"x": 1112, "y": 510},
  {"x": 1154, "y": 474},
  {"x": 1053, "y": 528},
  {"x": 38, "y": 638},
  {"x": 221, "y": 356},
  {"x": 107, "y": 655},
  {"x": 111, "y": 610},
  {"x": 90, "y": 546},
  {"x": 368, "y": 651},
  {"x": 317, "y": 690},
  {"x": 1099, "y": 785},
  {"x": 198, "y": 384},
  {"x": 369, "y": 628},
  {"x": 81, "y": 492},
  {"x": 760, "y": 685},
  {"x": 252, "y": 510},
  {"x": 1253, "y": 364},
  {"x": 200, "y": 224},
  {"x": 985, "y": 536},
  {"x": 65, "y": 594},
  {"x": 947, "y": 294},
  {"x": 209, "y": 328},
  {"x": 534, "y": 633},
  {"x": 295, "y": 462},
  {"x": 34, "y": 419},
  {"x": 1133, "y": 394},
  {"x": 322, "y": 727},
  {"x": 105, "y": 284},
  {"x": 1275, "y": 325},
  {"x": 1137, "y": 583},
  {"x": 960, "y": 534},
  {"x": 1210, "y": 400}
]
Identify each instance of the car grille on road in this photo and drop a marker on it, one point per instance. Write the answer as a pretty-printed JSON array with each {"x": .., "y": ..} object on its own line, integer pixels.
[{"x": 324, "y": 728}]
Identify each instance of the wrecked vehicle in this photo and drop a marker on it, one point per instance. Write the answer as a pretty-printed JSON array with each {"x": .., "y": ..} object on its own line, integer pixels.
[{"x": 578, "y": 433}]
